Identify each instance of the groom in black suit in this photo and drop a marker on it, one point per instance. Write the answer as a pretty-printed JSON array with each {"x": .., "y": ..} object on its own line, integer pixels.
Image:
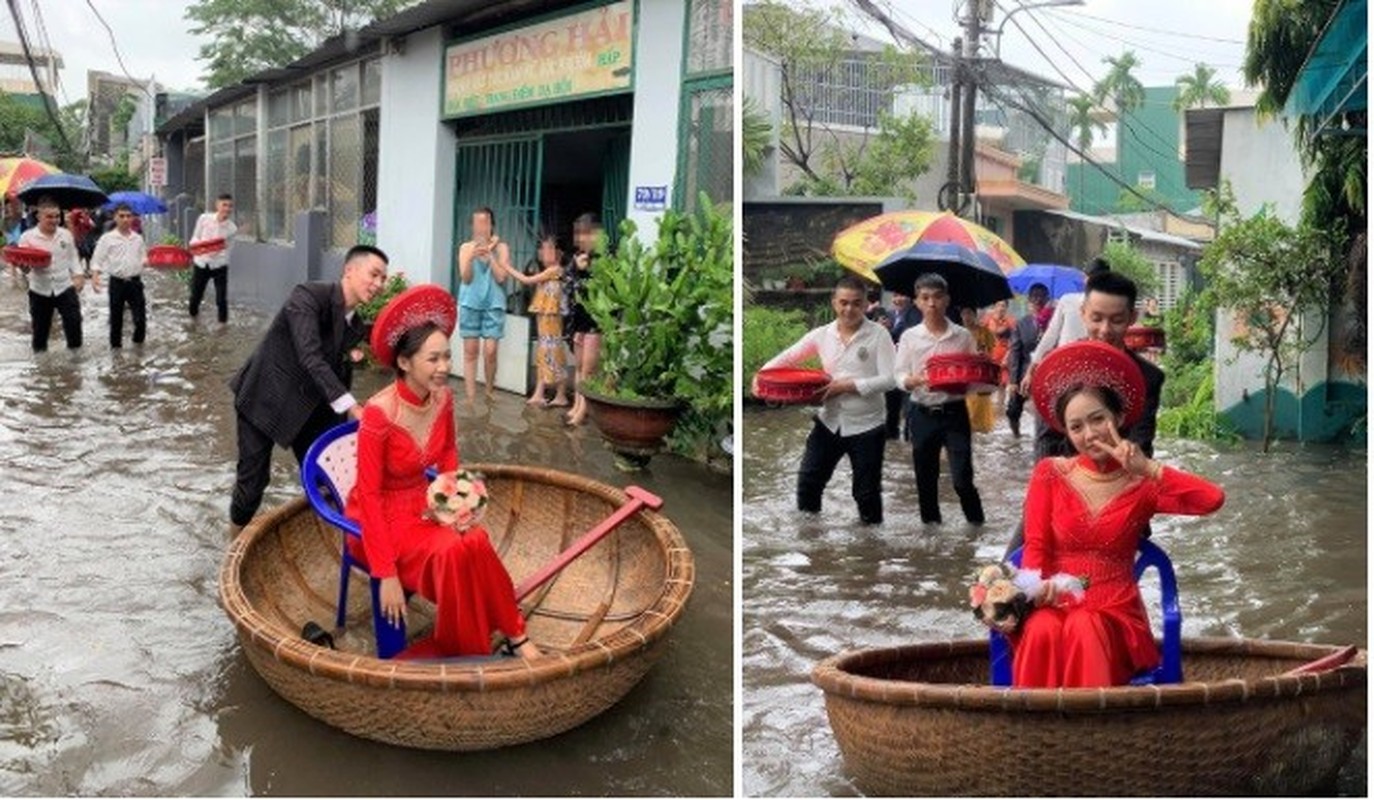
[{"x": 295, "y": 386}]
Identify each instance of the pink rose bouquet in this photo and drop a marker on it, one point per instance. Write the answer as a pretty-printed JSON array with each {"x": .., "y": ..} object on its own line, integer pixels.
[
  {"x": 1002, "y": 596},
  {"x": 457, "y": 499}
]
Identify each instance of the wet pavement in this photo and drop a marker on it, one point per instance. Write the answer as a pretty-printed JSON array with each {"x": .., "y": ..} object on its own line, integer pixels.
[
  {"x": 120, "y": 674},
  {"x": 1285, "y": 558}
]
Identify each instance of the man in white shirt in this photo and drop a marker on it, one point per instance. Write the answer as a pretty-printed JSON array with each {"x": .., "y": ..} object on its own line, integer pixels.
[
  {"x": 857, "y": 354},
  {"x": 120, "y": 254},
  {"x": 937, "y": 419},
  {"x": 53, "y": 288},
  {"x": 1065, "y": 325},
  {"x": 214, "y": 266}
]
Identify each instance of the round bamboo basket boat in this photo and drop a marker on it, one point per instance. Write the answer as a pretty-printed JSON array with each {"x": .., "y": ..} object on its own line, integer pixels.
[
  {"x": 601, "y": 623},
  {"x": 920, "y": 720}
]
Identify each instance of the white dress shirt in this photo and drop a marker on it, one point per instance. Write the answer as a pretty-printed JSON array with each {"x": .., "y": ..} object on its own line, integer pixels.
[
  {"x": 1066, "y": 325},
  {"x": 119, "y": 256},
  {"x": 208, "y": 226},
  {"x": 56, "y": 278},
  {"x": 866, "y": 358},
  {"x": 918, "y": 344}
]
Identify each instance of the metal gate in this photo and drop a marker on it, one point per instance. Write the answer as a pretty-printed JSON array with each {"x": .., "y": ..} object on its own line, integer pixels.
[
  {"x": 505, "y": 176},
  {"x": 615, "y": 186}
]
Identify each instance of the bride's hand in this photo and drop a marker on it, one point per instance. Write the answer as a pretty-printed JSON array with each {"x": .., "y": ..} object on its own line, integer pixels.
[
  {"x": 393, "y": 600},
  {"x": 1129, "y": 455},
  {"x": 1048, "y": 594}
]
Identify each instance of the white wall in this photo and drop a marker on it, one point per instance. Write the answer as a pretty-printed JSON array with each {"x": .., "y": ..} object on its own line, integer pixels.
[
  {"x": 416, "y": 162},
  {"x": 658, "y": 97}
]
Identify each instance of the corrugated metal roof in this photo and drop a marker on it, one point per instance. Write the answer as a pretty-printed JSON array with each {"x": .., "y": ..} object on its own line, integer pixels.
[{"x": 1143, "y": 233}]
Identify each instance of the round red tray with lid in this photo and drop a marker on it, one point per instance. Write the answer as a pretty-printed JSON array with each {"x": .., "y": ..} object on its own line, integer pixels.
[
  {"x": 31, "y": 257},
  {"x": 1144, "y": 337},
  {"x": 791, "y": 385},
  {"x": 958, "y": 373},
  {"x": 208, "y": 246},
  {"x": 169, "y": 256}
]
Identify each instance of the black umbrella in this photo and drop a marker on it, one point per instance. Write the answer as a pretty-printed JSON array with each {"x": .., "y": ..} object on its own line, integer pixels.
[
  {"x": 69, "y": 191},
  {"x": 974, "y": 278}
]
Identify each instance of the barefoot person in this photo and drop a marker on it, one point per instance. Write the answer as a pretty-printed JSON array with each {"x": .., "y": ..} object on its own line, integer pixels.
[
  {"x": 295, "y": 386},
  {"x": 858, "y": 355},
  {"x": 405, "y": 428},
  {"x": 547, "y": 308},
  {"x": 1085, "y": 515},
  {"x": 483, "y": 265},
  {"x": 586, "y": 335}
]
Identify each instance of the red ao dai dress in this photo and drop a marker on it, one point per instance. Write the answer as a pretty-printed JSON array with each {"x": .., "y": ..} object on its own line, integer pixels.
[
  {"x": 1080, "y": 524},
  {"x": 400, "y": 436}
]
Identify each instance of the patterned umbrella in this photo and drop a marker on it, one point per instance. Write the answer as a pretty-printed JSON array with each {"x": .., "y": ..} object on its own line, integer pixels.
[
  {"x": 16, "y": 173},
  {"x": 894, "y": 249},
  {"x": 863, "y": 246}
]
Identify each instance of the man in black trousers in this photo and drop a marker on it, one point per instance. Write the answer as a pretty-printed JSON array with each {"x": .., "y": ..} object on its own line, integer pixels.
[
  {"x": 901, "y": 316},
  {"x": 1024, "y": 337},
  {"x": 295, "y": 386}
]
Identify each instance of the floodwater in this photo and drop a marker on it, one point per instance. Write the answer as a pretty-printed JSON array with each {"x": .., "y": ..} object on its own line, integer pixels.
[
  {"x": 1285, "y": 558},
  {"x": 119, "y": 672}
]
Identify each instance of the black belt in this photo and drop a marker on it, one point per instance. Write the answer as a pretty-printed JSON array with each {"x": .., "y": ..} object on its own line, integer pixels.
[{"x": 940, "y": 408}]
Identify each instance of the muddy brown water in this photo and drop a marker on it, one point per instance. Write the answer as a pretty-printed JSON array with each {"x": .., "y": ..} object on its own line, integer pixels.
[
  {"x": 119, "y": 672},
  {"x": 1285, "y": 558}
]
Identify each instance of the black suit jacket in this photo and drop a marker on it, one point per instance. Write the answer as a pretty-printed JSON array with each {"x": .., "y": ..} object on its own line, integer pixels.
[
  {"x": 1024, "y": 337},
  {"x": 1049, "y": 442},
  {"x": 909, "y": 318},
  {"x": 301, "y": 363}
]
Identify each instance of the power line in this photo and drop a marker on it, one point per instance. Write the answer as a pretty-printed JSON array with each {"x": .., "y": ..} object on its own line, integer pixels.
[
  {"x": 1121, "y": 115},
  {"x": 998, "y": 96},
  {"x": 1098, "y": 32},
  {"x": 115, "y": 45},
  {"x": 48, "y": 102},
  {"x": 46, "y": 43},
  {"x": 1179, "y": 34}
]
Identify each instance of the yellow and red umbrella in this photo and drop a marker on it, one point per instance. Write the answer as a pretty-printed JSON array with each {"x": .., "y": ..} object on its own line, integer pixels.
[
  {"x": 16, "y": 173},
  {"x": 892, "y": 249}
]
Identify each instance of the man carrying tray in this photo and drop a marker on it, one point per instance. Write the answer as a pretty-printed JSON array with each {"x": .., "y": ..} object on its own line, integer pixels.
[
  {"x": 57, "y": 286},
  {"x": 937, "y": 419},
  {"x": 857, "y": 353},
  {"x": 214, "y": 265}
]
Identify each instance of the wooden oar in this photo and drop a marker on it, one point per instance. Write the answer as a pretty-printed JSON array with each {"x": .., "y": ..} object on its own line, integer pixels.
[
  {"x": 1336, "y": 659},
  {"x": 639, "y": 498}
]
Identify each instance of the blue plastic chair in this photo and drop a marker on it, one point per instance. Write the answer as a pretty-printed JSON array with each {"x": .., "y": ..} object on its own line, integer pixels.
[
  {"x": 1170, "y": 669},
  {"x": 328, "y": 472}
]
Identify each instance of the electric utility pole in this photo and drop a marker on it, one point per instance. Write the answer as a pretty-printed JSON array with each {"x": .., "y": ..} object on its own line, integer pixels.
[{"x": 958, "y": 192}]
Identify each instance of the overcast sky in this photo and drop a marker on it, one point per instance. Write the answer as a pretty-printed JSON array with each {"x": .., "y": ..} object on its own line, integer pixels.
[{"x": 153, "y": 39}]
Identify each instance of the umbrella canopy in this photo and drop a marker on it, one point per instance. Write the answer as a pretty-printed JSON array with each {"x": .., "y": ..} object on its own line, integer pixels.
[
  {"x": 138, "y": 201},
  {"x": 16, "y": 173},
  {"x": 974, "y": 279},
  {"x": 1058, "y": 279},
  {"x": 863, "y": 246},
  {"x": 70, "y": 191}
]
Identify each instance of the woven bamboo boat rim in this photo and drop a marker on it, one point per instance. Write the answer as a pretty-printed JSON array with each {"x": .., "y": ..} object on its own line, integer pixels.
[
  {"x": 287, "y": 647},
  {"x": 834, "y": 675}
]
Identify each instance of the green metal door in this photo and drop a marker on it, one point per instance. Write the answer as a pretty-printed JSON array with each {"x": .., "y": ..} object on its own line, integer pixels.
[
  {"x": 503, "y": 175},
  {"x": 615, "y": 186}
]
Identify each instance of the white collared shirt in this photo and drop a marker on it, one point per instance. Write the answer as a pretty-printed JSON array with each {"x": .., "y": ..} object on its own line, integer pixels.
[
  {"x": 119, "y": 256},
  {"x": 208, "y": 226},
  {"x": 56, "y": 278},
  {"x": 866, "y": 358},
  {"x": 1066, "y": 325},
  {"x": 918, "y": 344}
]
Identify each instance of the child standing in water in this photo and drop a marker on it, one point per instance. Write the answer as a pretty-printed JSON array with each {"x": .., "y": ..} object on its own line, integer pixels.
[{"x": 547, "y": 307}]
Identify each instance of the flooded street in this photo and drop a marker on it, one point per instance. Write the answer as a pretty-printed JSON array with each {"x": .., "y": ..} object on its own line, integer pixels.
[
  {"x": 119, "y": 672},
  {"x": 1285, "y": 558}
]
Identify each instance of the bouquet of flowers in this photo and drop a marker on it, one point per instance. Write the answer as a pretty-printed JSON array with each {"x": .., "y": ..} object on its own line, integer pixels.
[
  {"x": 1002, "y": 596},
  {"x": 457, "y": 499}
]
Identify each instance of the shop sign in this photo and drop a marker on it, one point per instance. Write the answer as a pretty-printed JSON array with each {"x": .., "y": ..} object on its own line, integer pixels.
[
  {"x": 651, "y": 198},
  {"x": 578, "y": 55}
]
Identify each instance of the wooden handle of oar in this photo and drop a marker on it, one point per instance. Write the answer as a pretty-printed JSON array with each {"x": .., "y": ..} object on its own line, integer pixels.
[
  {"x": 639, "y": 498},
  {"x": 1328, "y": 662}
]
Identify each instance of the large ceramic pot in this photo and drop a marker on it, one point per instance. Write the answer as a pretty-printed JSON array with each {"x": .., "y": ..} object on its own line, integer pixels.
[{"x": 633, "y": 429}]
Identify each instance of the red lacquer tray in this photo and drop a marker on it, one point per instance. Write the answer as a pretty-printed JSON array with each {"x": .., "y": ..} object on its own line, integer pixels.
[
  {"x": 1143, "y": 337},
  {"x": 790, "y": 385},
  {"x": 208, "y": 246},
  {"x": 169, "y": 256},
  {"x": 31, "y": 257},
  {"x": 957, "y": 373}
]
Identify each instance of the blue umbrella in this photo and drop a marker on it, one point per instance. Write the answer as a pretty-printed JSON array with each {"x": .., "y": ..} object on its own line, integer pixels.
[
  {"x": 70, "y": 191},
  {"x": 1059, "y": 280},
  {"x": 139, "y": 202}
]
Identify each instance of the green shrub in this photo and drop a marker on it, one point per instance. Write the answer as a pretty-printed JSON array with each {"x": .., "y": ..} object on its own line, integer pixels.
[
  {"x": 767, "y": 332},
  {"x": 1198, "y": 418}
]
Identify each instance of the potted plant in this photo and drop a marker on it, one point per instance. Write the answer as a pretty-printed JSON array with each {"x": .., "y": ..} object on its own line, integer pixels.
[{"x": 666, "y": 316}]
